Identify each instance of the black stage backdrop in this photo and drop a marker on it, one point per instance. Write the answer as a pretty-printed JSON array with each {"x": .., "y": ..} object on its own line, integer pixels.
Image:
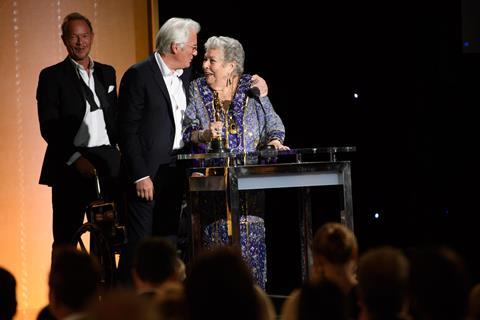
[{"x": 412, "y": 123}]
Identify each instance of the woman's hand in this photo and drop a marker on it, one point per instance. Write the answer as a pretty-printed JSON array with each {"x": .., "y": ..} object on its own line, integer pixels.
[
  {"x": 215, "y": 130},
  {"x": 205, "y": 136},
  {"x": 278, "y": 145}
]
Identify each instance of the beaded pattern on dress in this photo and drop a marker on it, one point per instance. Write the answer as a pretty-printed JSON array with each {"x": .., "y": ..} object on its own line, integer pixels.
[{"x": 252, "y": 241}]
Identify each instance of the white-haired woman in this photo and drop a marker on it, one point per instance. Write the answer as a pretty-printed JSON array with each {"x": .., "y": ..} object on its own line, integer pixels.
[{"x": 246, "y": 123}]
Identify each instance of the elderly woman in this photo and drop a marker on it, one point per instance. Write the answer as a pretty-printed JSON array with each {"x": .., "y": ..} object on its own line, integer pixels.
[
  {"x": 252, "y": 122},
  {"x": 221, "y": 106}
]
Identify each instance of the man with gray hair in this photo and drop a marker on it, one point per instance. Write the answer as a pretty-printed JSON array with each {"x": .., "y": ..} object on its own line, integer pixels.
[{"x": 152, "y": 101}]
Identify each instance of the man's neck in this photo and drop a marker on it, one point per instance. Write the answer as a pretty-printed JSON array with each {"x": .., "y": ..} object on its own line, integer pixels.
[
  {"x": 169, "y": 60},
  {"x": 85, "y": 63}
]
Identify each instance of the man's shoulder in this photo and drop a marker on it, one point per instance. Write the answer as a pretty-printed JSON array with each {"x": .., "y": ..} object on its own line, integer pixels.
[
  {"x": 146, "y": 63},
  {"x": 104, "y": 66},
  {"x": 139, "y": 69},
  {"x": 58, "y": 67}
]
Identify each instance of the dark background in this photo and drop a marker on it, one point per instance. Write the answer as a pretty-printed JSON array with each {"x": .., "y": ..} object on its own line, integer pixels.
[{"x": 414, "y": 122}]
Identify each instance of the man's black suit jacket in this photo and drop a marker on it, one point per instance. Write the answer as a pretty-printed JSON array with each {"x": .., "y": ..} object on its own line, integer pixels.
[
  {"x": 61, "y": 108},
  {"x": 146, "y": 123}
]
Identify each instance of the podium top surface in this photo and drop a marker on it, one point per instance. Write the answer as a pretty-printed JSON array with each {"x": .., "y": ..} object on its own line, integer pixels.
[{"x": 269, "y": 153}]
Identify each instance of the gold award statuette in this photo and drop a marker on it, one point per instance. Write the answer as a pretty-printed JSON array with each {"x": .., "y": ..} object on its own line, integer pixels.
[{"x": 217, "y": 144}]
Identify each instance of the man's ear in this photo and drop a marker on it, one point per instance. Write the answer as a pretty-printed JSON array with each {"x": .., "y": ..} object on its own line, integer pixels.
[{"x": 174, "y": 47}]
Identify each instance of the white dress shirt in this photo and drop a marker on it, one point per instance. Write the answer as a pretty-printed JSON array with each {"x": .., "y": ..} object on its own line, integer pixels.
[
  {"x": 92, "y": 131},
  {"x": 177, "y": 97}
]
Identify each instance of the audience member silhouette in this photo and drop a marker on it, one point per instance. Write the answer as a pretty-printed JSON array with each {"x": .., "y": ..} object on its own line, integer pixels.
[
  {"x": 335, "y": 252},
  {"x": 155, "y": 263},
  {"x": 122, "y": 305},
  {"x": 439, "y": 284},
  {"x": 383, "y": 284},
  {"x": 45, "y": 314},
  {"x": 220, "y": 286},
  {"x": 170, "y": 302},
  {"x": 8, "y": 295},
  {"x": 73, "y": 281},
  {"x": 474, "y": 303},
  {"x": 322, "y": 300}
]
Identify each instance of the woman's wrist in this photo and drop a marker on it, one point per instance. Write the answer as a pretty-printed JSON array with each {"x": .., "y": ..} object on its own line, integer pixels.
[{"x": 275, "y": 139}]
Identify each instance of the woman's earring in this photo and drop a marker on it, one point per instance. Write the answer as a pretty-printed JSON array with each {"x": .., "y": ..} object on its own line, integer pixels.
[{"x": 229, "y": 82}]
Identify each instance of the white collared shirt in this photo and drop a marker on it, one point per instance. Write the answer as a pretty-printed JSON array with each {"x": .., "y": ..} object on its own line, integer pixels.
[
  {"x": 92, "y": 131},
  {"x": 177, "y": 97}
]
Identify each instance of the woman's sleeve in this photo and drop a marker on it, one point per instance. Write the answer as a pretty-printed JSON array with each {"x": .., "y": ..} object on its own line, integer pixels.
[
  {"x": 191, "y": 121},
  {"x": 274, "y": 128}
]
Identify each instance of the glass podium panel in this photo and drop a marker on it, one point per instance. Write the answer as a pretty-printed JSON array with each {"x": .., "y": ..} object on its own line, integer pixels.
[{"x": 271, "y": 170}]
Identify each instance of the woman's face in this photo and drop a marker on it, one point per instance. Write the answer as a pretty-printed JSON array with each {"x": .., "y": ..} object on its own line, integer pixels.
[{"x": 216, "y": 70}]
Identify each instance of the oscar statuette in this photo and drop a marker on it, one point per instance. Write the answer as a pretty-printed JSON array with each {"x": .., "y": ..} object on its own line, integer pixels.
[{"x": 217, "y": 144}]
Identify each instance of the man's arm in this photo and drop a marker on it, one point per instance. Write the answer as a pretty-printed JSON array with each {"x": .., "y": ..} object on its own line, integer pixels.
[
  {"x": 52, "y": 125},
  {"x": 130, "y": 116},
  {"x": 131, "y": 107},
  {"x": 261, "y": 84}
]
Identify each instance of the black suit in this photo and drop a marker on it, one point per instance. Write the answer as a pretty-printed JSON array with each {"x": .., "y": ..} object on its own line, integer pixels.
[
  {"x": 147, "y": 132},
  {"x": 61, "y": 109}
]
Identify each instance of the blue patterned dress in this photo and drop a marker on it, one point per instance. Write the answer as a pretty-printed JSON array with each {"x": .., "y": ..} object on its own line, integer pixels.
[{"x": 256, "y": 123}]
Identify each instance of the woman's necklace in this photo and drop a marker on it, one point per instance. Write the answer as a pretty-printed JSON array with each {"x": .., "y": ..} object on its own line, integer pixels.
[
  {"x": 230, "y": 122},
  {"x": 226, "y": 98}
]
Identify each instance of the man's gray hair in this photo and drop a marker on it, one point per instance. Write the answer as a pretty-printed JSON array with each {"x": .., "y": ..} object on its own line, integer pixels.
[
  {"x": 175, "y": 30},
  {"x": 232, "y": 51}
]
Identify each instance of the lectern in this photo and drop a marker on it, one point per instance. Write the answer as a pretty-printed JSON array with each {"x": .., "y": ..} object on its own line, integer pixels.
[{"x": 273, "y": 169}]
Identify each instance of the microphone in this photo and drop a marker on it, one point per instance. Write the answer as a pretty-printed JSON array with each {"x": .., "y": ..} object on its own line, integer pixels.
[{"x": 253, "y": 92}]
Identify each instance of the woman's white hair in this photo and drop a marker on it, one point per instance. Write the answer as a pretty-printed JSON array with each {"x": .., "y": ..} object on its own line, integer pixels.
[
  {"x": 175, "y": 30},
  {"x": 232, "y": 51}
]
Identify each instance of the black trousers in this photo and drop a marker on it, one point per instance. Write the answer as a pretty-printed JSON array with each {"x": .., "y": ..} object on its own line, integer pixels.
[
  {"x": 159, "y": 217},
  {"x": 72, "y": 193}
]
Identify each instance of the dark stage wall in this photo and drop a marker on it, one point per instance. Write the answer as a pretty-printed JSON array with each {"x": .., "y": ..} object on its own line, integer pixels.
[{"x": 412, "y": 124}]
